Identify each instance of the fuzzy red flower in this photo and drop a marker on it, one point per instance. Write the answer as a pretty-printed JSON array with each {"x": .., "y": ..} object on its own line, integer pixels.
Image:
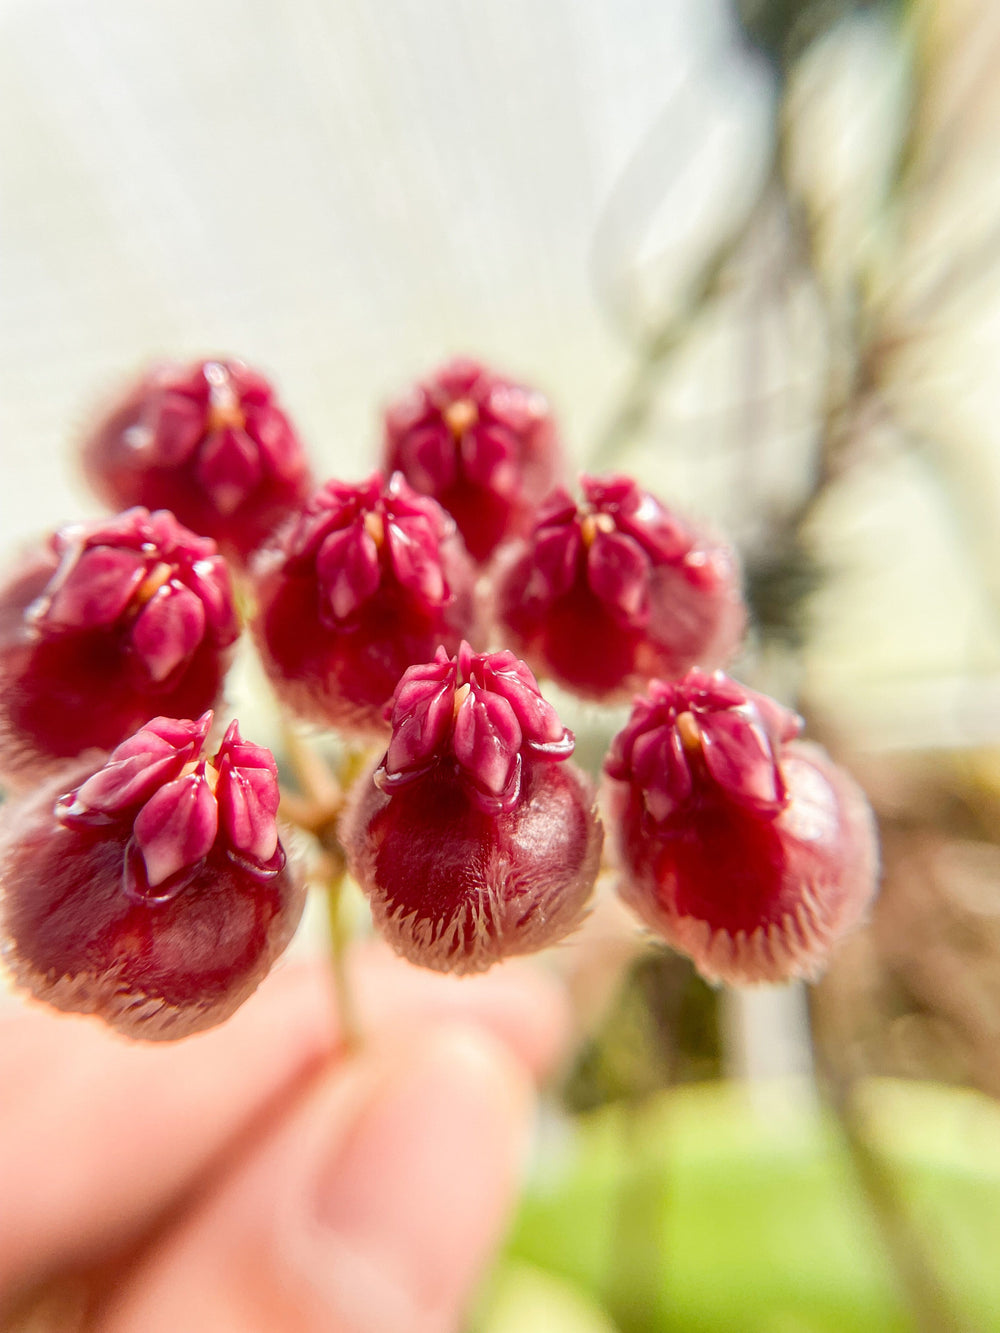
[
  {"x": 370, "y": 579},
  {"x": 743, "y": 847},
  {"x": 606, "y": 595},
  {"x": 483, "y": 447},
  {"x": 108, "y": 624},
  {"x": 206, "y": 441},
  {"x": 476, "y": 840},
  {"x": 156, "y": 893}
]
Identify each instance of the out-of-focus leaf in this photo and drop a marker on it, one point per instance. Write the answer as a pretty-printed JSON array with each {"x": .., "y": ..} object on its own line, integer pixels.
[
  {"x": 523, "y": 1298},
  {"x": 713, "y": 1210}
]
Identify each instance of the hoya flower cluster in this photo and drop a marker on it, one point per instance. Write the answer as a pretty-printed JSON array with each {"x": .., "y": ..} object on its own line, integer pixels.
[{"x": 146, "y": 879}]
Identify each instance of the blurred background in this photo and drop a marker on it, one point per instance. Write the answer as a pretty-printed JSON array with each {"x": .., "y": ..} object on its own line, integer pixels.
[{"x": 751, "y": 251}]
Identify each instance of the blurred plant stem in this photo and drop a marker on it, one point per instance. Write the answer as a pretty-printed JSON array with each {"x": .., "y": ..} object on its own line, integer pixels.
[
  {"x": 630, "y": 415},
  {"x": 316, "y": 809},
  {"x": 339, "y": 939},
  {"x": 910, "y": 1252},
  {"x": 765, "y": 1032},
  {"x": 638, "y": 1258}
]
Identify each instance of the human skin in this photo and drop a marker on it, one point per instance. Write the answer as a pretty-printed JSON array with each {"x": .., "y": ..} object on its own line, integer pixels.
[{"x": 262, "y": 1176}]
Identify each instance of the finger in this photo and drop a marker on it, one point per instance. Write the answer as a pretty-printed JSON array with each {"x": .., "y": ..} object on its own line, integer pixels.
[
  {"x": 526, "y": 1008},
  {"x": 373, "y": 1209},
  {"x": 99, "y": 1136}
]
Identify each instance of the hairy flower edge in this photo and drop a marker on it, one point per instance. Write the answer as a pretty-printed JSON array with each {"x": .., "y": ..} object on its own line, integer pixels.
[
  {"x": 156, "y": 967},
  {"x": 819, "y": 874},
  {"x": 455, "y": 889}
]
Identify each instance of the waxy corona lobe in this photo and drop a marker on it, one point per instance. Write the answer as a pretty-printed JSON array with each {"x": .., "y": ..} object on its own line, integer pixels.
[
  {"x": 483, "y": 708},
  {"x": 156, "y": 893},
  {"x": 476, "y": 840}
]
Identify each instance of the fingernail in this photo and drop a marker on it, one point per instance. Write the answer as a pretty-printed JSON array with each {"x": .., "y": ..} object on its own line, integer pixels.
[{"x": 418, "y": 1190}]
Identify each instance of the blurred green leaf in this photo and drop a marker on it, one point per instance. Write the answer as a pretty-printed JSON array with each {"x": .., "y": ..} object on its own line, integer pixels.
[
  {"x": 523, "y": 1297},
  {"x": 714, "y": 1209}
]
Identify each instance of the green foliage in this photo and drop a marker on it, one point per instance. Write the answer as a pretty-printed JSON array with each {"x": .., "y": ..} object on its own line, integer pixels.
[
  {"x": 718, "y": 1208},
  {"x": 662, "y": 1029}
]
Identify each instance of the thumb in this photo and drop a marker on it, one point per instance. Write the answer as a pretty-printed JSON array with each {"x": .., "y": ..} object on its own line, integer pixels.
[{"x": 372, "y": 1209}]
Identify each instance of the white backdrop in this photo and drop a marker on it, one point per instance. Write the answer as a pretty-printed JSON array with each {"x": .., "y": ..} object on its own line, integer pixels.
[{"x": 342, "y": 193}]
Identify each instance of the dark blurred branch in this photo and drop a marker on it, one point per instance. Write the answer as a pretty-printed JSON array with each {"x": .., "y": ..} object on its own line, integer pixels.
[
  {"x": 632, "y": 412},
  {"x": 910, "y": 1252}
]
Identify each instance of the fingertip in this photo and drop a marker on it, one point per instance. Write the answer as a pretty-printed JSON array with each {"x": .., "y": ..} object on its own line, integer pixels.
[
  {"x": 525, "y": 1006},
  {"x": 412, "y": 1199},
  {"x": 372, "y": 1209}
]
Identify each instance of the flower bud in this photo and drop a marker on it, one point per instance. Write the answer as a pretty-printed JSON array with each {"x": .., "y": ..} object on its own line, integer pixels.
[
  {"x": 484, "y": 448},
  {"x": 206, "y": 441},
  {"x": 608, "y": 594},
  {"x": 156, "y": 893},
  {"x": 111, "y": 623},
  {"x": 370, "y": 579},
  {"x": 741, "y": 846},
  {"x": 476, "y": 839}
]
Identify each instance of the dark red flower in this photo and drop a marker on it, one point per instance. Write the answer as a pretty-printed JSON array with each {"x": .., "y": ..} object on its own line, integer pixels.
[
  {"x": 608, "y": 594},
  {"x": 370, "y": 579},
  {"x": 476, "y": 840},
  {"x": 206, "y": 441},
  {"x": 107, "y": 625},
  {"x": 483, "y": 447},
  {"x": 743, "y": 847},
  {"x": 156, "y": 893}
]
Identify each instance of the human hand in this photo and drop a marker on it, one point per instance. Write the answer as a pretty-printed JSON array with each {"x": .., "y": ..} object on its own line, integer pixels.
[{"x": 260, "y": 1177}]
